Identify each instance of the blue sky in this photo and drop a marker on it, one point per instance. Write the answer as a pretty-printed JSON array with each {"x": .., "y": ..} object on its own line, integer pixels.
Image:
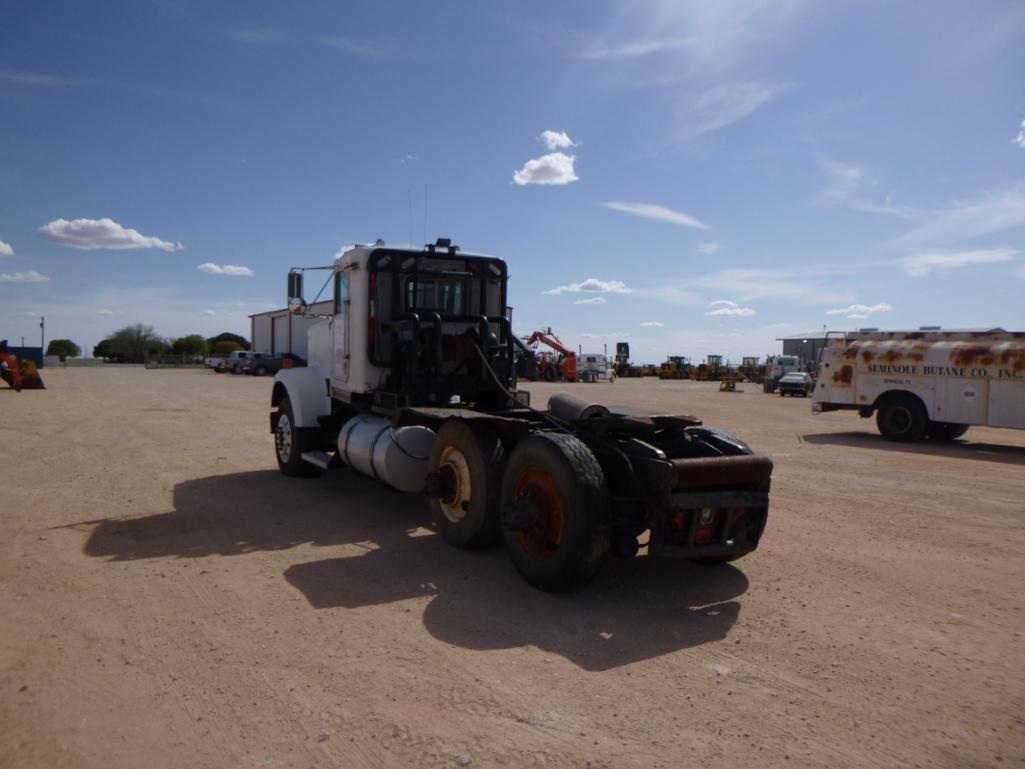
[{"x": 692, "y": 177}]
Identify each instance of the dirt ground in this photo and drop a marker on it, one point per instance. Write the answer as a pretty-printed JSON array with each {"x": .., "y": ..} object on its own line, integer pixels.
[{"x": 167, "y": 599}]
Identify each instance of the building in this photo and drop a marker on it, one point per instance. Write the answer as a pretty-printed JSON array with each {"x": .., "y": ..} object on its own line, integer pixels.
[
  {"x": 277, "y": 331},
  {"x": 807, "y": 347}
]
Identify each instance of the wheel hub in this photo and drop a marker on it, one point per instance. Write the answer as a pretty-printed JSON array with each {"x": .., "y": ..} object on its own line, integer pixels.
[
  {"x": 538, "y": 513},
  {"x": 283, "y": 438},
  {"x": 454, "y": 485}
]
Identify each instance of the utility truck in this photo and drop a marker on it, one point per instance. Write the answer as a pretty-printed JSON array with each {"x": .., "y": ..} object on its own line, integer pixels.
[
  {"x": 925, "y": 384},
  {"x": 412, "y": 381}
]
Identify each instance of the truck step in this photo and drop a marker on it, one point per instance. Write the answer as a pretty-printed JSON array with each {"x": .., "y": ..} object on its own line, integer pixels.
[{"x": 319, "y": 458}]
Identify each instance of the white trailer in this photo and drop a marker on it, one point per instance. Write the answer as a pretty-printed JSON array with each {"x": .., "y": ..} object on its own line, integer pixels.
[{"x": 920, "y": 384}]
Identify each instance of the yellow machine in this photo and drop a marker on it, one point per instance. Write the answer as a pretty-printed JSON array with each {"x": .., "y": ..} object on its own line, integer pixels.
[{"x": 675, "y": 367}]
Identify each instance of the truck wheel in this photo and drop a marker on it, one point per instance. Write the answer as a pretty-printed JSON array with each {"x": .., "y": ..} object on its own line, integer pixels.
[
  {"x": 550, "y": 374},
  {"x": 290, "y": 442},
  {"x": 555, "y": 512},
  {"x": 946, "y": 431},
  {"x": 468, "y": 460},
  {"x": 902, "y": 418}
]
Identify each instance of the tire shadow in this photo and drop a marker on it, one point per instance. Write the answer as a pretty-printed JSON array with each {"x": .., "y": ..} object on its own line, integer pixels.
[
  {"x": 959, "y": 449},
  {"x": 633, "y": 610}
]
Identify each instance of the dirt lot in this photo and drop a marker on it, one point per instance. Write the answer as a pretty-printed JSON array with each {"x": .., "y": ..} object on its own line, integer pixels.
[{"x": 168, "y": 599}]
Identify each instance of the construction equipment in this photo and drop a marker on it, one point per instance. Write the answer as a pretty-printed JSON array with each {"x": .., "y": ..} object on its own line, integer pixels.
[
  {"x": 750, "y": 370},
  {"x": 412, "y": 381},
  {"x": 19, "y": 374},
  {"x": 675, "y": 367},
  {"x": 711, "y": 370},
  {"x": 559, "y": 364},
  {"x": 728, "y": 382},
  {"x": 623, "y": 366}
]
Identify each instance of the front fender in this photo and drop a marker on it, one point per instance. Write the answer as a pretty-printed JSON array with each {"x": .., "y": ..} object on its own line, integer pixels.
[{"x": 307, "y": 389}]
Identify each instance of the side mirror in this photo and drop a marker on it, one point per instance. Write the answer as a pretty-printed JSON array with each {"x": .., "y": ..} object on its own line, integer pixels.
[{"x": 296, "y": 304}]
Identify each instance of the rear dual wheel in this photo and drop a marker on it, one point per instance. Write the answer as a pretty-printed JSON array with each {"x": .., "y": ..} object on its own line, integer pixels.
[
  {"x": 555, "y": 511},
  {"x": 902, "y": 418}
]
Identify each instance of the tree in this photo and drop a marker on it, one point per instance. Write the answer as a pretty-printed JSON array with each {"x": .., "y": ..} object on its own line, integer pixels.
[
  {"x": 193, "y": 344},
  {"x": 131, "y": 343},
  {"x": 227, "y": 336},
  {"x": 104, "y": 350},
  {"x": 65, "y": 348},
  {"x": 226, "y": 346}
]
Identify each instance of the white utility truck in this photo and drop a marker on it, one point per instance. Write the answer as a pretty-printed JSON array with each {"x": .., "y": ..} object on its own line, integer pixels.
[
  {"x": 412, "y": 381},
  {"x": 595, "y": 367},
  {"x": 925, "y": 384}
]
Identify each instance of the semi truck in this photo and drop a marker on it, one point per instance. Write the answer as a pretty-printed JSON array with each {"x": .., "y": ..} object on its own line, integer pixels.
[
  {"x": 411, "y": 380},
  {"x": 925, "y": 384}
]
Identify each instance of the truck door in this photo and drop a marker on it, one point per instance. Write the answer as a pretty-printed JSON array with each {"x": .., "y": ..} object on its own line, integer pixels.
[{"x": 340, "y": 329}]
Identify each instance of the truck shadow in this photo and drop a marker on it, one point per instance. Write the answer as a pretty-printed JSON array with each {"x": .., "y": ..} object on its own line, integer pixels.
[
  {"x": 633, "y": 610},
  {"x": 958, "y": 449}
]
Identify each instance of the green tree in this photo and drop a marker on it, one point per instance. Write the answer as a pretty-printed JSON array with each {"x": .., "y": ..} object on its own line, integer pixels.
[
  {"x": 227, "y": 336},
  {"x": 131, "y": 343},
  {"x": 193, "y": 344},
  {"x": 104, "y": 350},
  {"x": 226, "y": 346},
  {"x": 64, "y": 348}
]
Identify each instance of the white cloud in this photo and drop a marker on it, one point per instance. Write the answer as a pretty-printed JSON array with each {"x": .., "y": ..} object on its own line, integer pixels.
[
  {"x": 637, "y": 48},
  {"x": 592, "y": 284},
  {"x": 104, "y": 312},
  {"x": 708, "y": 248},
  {"x": 553, "y": 168},
  {"x": 208, "y": 312},
  {"x": 862, "y": 310},
  {"x": 844, "y": 188},
  {"x": 659, "y": 213},
  {"x": 652, "y": 323},
  {"x": 91, "y": 234},
  {"x": 22, "y": 277},
  {"x": 352, "y": 47},
  {"x": 1020, "y": 138},
  {"x": 964, "y": 220},
  {"x": 227, "y": 269},
  {"x": 5, "y": 249},
  {"x": 592, "y": 300},
  {"x": 256, "y": 35},
  {"x": 919, "y": 265},
  {"x": 724, "y": 104},
  {"x": 557, "y": 140},
  {"x": 724, "y": 308}
]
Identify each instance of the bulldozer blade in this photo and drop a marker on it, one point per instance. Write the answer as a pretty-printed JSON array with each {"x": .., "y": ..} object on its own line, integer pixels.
[{"x": 30, "y": 379}]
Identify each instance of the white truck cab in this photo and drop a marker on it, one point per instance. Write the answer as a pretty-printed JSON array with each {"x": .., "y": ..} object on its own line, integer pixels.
[{"x": 925, "y": 383}]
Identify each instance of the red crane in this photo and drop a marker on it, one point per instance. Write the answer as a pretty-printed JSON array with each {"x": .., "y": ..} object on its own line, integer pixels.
[{"x": 558, "y": 363}]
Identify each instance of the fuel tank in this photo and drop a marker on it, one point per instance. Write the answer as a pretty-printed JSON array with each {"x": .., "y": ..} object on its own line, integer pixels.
[{"x": 397, "y": 456}]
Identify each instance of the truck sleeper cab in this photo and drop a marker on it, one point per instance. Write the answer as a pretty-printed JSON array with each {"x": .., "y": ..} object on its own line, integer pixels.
[{"x": 412, "y": 380}]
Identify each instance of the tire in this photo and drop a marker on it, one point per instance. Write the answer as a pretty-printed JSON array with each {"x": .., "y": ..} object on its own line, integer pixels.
[
  {"x": 555, "y": 511},
  {"x": 290, "y": 442},
  {"x": 550, "y": 374},
  {"x": 470, "y": 517},
  {"x": 902, "y": 418},
  {"x": 946, "y": 431}
]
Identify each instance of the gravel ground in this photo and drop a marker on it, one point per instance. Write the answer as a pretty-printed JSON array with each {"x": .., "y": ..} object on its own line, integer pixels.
[{"x": 168, "y": 599}]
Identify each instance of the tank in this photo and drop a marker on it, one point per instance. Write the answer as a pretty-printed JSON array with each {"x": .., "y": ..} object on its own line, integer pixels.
[
  {"x": 569, "y": 408},
  {"x": 397, "y": 456}
]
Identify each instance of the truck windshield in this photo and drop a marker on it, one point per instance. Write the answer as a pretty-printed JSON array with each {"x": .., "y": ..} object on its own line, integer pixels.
[{"x": 443, "y": 295}]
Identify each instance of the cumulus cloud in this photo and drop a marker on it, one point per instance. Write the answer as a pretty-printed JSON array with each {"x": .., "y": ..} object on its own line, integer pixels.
[
  {"x": 919, "y": 265},
  {"x": 227, "y": 269},
  {"x": 724, "y": 308},
  {"x": 724, "y": 104},
  {"x": 553, "y": 168},
  {"x": 92, "y": 234},
  {"x": 31, "y": 276},
  {"x": 659, "y": 213},
  {"x": 5, "y": 249},
  {"x": 708, "y": 248},
  {"x": 592, "y": 300},
  {"x": 860, "y": 310},
  {"x": 557, "y": 140},
  {"x": 1020, "y": 138},
  {"x": 592, "y": 284},
  {"x": 652, "y": 323}
]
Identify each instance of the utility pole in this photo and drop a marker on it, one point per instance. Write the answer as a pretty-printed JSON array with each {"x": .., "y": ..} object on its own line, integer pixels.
[{"x": 42, "y": 334}]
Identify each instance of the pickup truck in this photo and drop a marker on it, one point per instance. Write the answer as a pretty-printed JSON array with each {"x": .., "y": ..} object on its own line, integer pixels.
[
  {"x": 262, "y": 364},
  {"x": 232, "y": 362}
]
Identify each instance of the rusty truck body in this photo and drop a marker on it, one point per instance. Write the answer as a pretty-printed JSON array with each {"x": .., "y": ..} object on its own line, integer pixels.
[{"x": 925, "y": 384}]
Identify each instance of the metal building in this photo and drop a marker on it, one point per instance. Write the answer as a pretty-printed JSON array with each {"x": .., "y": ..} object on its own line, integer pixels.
[
  {"x": 277, "y": 331},
  {"x": 804, "y": 346}
]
